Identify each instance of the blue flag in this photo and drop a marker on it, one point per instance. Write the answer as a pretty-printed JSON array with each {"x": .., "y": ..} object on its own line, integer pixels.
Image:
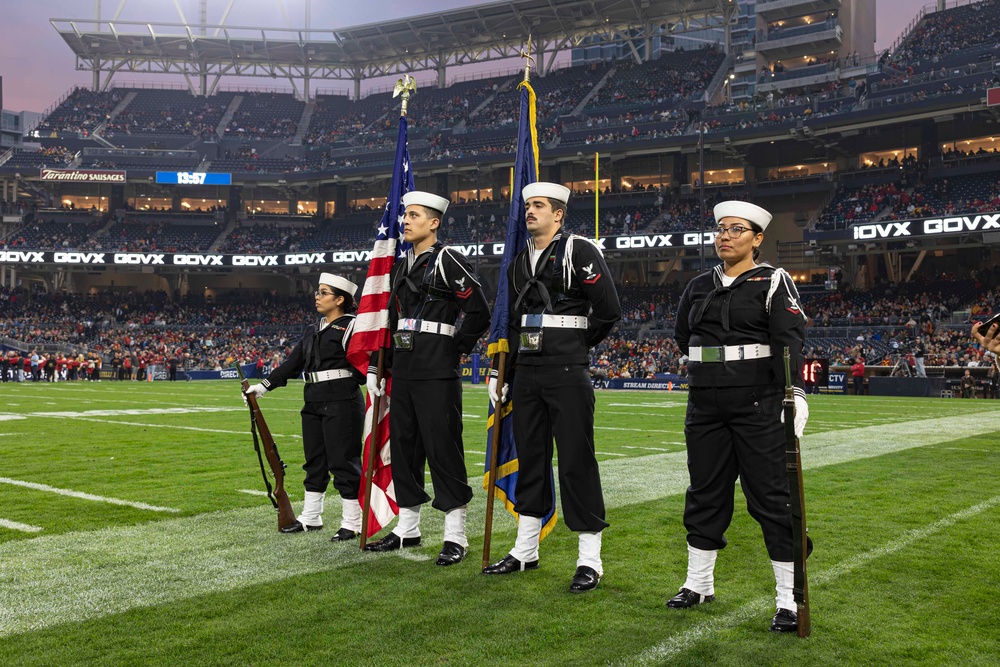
[{"x": 525, "y": 172}]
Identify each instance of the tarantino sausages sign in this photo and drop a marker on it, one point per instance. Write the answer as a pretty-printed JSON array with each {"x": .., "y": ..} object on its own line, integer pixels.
[
  {"x": 614, "y": 244},
  {"x": 83, "y": 175}
]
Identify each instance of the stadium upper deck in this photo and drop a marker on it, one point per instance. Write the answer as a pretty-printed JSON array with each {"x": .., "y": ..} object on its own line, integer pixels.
[{"x": 327, "y": 157}]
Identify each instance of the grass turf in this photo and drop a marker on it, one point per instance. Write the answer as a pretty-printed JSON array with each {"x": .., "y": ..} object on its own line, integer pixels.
[{"x": 903, "y": 573}]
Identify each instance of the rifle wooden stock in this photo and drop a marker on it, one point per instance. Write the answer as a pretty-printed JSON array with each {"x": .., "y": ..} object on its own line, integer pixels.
[
  {"x": 278, "y": 495},
  {"x": 491, "y": 483},
  {"x": 372, "y": 450},
  {"x": 793, "y": 469}
]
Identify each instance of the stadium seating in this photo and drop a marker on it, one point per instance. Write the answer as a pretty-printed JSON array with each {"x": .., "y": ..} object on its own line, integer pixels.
[
  {"x": 149, "y": 233},
  {"x": 952, "y": 31},
  {"x": 54, "y": 231},
  {"x": 81, "y": 112},
  {"x": 170, "y": 112},
  {"x": 52, "y": 157},
  {"x": 266, "y": 116},
  {"x": 664, "y": 83}
]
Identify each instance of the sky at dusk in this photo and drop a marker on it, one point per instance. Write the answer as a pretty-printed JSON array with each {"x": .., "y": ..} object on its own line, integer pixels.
[{"x": 38, "y": 67}]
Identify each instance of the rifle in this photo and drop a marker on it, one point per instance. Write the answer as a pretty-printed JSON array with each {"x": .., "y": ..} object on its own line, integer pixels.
[
  {"x": 278, "y": 496},
  {"x": 793, "y": 468}
]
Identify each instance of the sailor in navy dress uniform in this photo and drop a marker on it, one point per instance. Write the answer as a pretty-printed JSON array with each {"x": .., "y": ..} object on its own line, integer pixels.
[
  {"x": 431, "y": 286},
  {"x": 334, "y": 410},
  {"x": 733, "y": 323},
  {"x": 562, "y": 303}
]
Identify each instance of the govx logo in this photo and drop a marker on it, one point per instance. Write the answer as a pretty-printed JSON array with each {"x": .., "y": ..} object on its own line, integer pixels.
[
  {"x": 306, "y": 258},
  {"x": 962, "y": 224},
  {"x": 138, "y": 258},
  {"x": 255, "y": 260},
  {"x": 880, "y": 231},
  {"x": 198, "y": 260},
  {"x": 21, "y": 256},
  {"x": 78, "y": 257}
]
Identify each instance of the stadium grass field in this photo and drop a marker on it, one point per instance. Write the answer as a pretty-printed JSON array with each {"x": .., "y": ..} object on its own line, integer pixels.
[{"x": 169, "y": 561}]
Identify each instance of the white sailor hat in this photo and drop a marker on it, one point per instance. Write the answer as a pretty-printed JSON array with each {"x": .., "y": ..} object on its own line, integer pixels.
[
  {"x": 343, "y": 284},
  {"x": 427, "y": 199},
  {"x": 550, "y": 190},
  {"x": 743, "y": 210}
]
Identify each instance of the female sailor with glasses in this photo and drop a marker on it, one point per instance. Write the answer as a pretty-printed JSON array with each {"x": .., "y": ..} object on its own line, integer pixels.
[
  {"x": 733, "y": 323},
  {"x": 333, "y": 415}
]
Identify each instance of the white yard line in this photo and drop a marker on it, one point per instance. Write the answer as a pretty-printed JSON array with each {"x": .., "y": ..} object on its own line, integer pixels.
[
  {"x": 759, "y": 607},
  {"x": 652, "y": 449},
  {"x": 23, "y": 527},
  {"x": 407, "y": 554},
  {"x": 177, "y": 426},
  {"x": 85, "y": 496},
  {"x": 647, "y": 405},
  {"x": 640, "y": 430}
]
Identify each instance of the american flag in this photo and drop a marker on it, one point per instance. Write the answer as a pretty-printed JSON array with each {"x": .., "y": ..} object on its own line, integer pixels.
[{"x": 371, "y": 333}]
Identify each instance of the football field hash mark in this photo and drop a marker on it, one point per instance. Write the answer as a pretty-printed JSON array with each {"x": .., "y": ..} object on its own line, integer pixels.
[
  {"x": 85, "y": 496},
  {"x": 23, "y": 527}
]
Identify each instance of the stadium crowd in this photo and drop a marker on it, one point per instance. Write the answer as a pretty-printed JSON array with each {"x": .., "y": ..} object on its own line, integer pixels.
[{"x": 207, "y": 333}]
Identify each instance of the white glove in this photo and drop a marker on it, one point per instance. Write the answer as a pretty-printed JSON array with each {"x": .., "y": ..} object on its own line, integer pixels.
[
  {"x": 801, "y": 415},
  {"x": 255, "y": 390},
  {"x": 491, "y": 389},
  {"x": 374, "y": 387}
]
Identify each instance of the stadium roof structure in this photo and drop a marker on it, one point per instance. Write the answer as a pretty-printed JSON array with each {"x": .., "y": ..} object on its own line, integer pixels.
[{"x": 478, "y": 33}]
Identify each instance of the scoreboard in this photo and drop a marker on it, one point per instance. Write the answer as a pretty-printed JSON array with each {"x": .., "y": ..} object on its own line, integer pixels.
[{"x": 193, "y": 178}]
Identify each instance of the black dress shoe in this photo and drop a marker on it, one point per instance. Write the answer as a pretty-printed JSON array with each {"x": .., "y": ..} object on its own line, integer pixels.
[
  {"x": 451, "y": 554},
  {"x": 585, "y": 579},
  {"x": 509, "y": 564},
  {"x": 299, "y": 527},
  {"x": 391, "y": 542},
  {"x": 688, "y": 598},
  {"x": 785, "y": 620},
  {"x": 343, "y": 535}
]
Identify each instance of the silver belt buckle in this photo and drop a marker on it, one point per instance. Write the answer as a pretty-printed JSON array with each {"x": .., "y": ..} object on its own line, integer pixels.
[
  {"x": 532, "y": 321},
  {"x": 712, "y": 354}
]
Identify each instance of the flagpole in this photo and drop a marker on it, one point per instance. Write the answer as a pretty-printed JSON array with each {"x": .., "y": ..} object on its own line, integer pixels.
[
  {"x": 405, "y": 87},
  {"x": 597, "y": 195},
  {"x": 372, "y": 449},
  {"x": 491, "y": 483}
]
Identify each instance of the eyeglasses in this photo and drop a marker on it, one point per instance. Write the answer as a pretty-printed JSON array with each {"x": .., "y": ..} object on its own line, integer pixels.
[
  {"x": 320, "y": 293},
  {"x": 734, "y": 232}
]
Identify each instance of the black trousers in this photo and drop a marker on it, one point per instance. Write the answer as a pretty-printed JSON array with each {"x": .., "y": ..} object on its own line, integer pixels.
[
  {"x": 331, "y": 438},
  {"x": 425, "y": 423},
  {"x": 557, "y": 402},
  {"x": 737, "y": 432}
]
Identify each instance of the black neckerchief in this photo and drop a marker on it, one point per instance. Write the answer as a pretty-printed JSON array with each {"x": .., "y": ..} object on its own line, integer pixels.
[
  {"x": 724, "y": 291},
  {"x": 535, "y": 272}
]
